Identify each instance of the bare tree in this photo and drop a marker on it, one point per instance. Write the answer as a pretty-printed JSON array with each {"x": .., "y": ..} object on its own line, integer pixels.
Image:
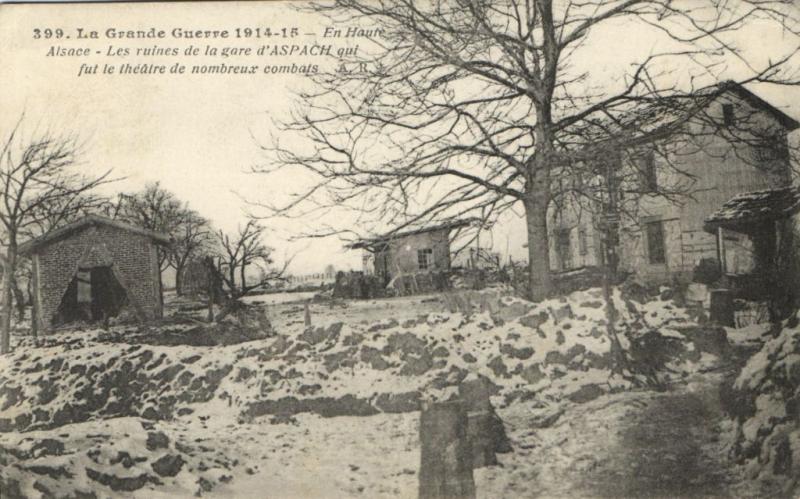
[
  {"x": 38, "y": 188},
  {"x": 153, "y": 208},
  {"x": 192, "y": 239},
  {"x": 498, "y": 98},
  {"x": 242, "y": 251}
]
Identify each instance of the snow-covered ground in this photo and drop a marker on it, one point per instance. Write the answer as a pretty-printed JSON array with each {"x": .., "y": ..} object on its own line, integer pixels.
[
  {"x": 279, "y": 298},
  {"x": 332, "y": 410}
]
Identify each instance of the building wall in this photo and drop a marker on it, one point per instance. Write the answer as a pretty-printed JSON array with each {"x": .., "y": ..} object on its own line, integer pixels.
[
  {"x": 133, "y": 258},
  {"x": 716, "y": 168},
  {"x": 402, "y": 257},
  {"x": 585, "y": 248}
]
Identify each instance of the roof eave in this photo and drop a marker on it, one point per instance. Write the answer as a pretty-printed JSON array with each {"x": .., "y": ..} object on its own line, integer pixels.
[{"x": 31, "y": 246}]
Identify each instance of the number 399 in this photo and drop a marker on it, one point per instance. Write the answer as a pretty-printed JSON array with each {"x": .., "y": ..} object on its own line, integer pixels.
[{"x": 48, "y": 33}]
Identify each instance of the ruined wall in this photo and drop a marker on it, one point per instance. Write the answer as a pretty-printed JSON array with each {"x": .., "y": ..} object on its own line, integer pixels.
[
  {"x": 717, "y": 167},
  {"x": 403, "y": 252},
  {"x": 132, "y": 256},
  {"x": 577, "y": 220}
]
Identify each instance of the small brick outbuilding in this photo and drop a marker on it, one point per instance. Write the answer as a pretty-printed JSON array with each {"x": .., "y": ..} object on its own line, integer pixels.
[{"x": 93, "y": 269}]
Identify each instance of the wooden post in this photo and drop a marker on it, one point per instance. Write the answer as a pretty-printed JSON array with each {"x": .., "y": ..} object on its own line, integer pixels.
[
  {"x": 307, "y": 318},
  {"x": 35, "y": 305},
  {"x": 446, "y": 457},
  {"x": 209, "y": 265},
  {"x": 723, "y": 267}
]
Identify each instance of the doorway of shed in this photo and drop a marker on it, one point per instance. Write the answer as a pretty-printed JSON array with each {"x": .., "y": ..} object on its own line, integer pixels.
[{"x": 94, "y": 294}]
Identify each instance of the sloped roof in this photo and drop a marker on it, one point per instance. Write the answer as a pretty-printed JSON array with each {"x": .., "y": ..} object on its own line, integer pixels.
[
  {"x": 750, "y": 209},
  {"x": 32, "y": 245},
  {"x": 656, "y": 116},
  {"x": 377, "y": 241},
  {"x": 756, "y": 101}
]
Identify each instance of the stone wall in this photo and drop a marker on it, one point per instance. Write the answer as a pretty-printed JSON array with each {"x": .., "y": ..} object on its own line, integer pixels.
[{"x": 133, "y": 258}]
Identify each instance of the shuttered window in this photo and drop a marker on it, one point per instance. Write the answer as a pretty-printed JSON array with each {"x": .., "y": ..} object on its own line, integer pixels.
[
  {"x": 647, "y": 173},
  {"x": 656, "y": 252}
]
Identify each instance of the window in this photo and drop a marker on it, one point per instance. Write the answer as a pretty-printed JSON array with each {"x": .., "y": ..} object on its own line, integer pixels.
[
  {"x": 563, "y": 249},
  {"x": 647, "y": 172},
  {"x": 727, "y": 114},
  {"x": 656, "y": 253},
  {"x": 582, "y": 242},
  {"x": 425, "y": 258},
  {"x": 771, "y": 149}
]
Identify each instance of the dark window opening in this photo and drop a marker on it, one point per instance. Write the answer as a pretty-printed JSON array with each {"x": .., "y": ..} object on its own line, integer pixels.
[
  {"x": 647, "y": 171},
  {"x": 582, "y": 246},
  {"x": 771, "y": 149},
  {"x": 727, "y": 114},
  {"x": 93, "y": 295},
  {"x": 564, "y": 249},
  {"x": 425, "y": 258},
  {"x": 656, "y": 252}
]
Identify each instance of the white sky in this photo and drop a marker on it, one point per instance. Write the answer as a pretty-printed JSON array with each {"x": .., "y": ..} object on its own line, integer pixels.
[{"x": 194, "y": 134}]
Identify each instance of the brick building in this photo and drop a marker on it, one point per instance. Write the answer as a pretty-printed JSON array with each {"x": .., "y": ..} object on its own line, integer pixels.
[
  {"x": 727, "y": 142},
  {"x": 93, "y": 269}
]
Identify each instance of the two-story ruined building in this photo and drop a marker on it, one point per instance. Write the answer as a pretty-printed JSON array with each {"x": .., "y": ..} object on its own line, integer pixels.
[{"x": 713, "y": 174}]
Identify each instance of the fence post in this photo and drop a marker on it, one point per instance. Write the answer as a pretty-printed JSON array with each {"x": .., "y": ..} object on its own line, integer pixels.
[
  {"x": 445, "y": 457},
  {"x": 307, "y": 318}
]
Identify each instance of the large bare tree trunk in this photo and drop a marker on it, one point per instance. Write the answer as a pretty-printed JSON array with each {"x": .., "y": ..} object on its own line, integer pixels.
[
  {"x": 19, "y": 299},
  {"x": 178, "y": 280},
  {"x": 540, "y": 284}
]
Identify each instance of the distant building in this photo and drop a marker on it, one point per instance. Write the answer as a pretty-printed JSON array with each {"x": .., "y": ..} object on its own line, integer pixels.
[
  {"x": 420, "y": 251},
  {"x": 94, "y": 268},
  {"x": 313, "y": 279}
]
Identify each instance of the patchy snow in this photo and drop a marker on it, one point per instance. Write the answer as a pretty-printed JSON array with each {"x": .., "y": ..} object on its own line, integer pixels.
[
  {"x": 274, "y": 399},
  {"x": 763, "y": 407},
  {"x": 750, "y": 335}
]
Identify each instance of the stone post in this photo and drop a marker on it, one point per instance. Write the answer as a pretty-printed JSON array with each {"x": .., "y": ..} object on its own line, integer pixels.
[
  {"x": 475, "y": 393},
  {"x": 446, "y": 457}
]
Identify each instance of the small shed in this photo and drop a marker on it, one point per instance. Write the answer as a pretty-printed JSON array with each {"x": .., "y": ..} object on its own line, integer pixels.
[
  {"x": 760, "y": 215},
  {"x": 423, "y": 250},
  {"x": 93, "y": 269}
]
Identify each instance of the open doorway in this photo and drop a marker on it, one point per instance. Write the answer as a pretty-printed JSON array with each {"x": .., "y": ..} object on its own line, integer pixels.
[{"x": 94, "y": 294}]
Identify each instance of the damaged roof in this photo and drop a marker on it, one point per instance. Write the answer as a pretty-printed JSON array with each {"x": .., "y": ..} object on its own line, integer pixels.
[
  {"x": 652, "y": 117},
  {"x": 32, "y": 245},
  {"x": 380, "y": 240},
  {"x": 748, "y": 210}
]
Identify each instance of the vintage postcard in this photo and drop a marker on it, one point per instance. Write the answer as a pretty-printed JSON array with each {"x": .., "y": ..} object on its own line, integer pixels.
[{"x": 374, "y": 248}]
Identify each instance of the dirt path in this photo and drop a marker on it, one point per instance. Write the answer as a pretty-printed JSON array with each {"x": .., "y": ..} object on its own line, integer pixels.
[
  {"x": 634, "y": 444},
  {"x": 668, "y": 448}
]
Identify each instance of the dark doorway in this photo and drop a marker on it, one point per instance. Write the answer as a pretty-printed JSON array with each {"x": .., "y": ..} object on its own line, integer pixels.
[{"x": 94, "y": 294}]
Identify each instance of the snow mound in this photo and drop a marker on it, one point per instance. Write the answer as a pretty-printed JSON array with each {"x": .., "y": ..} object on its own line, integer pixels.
[
  {"x": 554, "y": 350},
  {"x": 765, "y": 404},
  {"x": 77, "y": 411},
  {"x": 123, "y": 455}
]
